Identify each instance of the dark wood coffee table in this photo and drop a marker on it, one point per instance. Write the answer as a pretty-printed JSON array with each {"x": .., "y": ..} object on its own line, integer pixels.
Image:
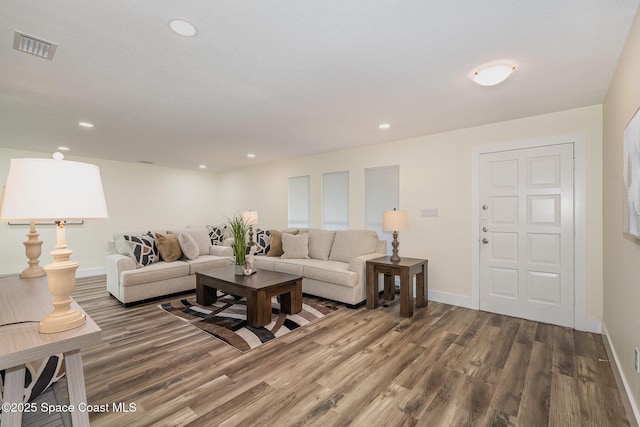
[{"x": 258, "y": 289}]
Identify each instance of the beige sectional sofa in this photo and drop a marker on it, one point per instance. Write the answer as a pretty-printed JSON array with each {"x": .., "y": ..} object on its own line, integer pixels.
[
  {"x": 332, "y": 263},
  {"x": 135, "y": 271}
]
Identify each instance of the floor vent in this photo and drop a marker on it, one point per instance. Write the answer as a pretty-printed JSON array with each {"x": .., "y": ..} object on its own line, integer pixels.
[{"x": 34, "y": 46}]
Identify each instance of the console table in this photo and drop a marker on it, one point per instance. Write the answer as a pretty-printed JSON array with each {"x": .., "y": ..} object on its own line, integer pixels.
[
  {"x": 406, "y": 268},
  {"x": 23, "y": 303}
]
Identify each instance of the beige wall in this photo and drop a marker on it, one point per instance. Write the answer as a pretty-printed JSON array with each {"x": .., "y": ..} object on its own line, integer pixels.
[
  {"x": 435, "y": 172},
  {"x": 138, "y": 197},
  {"x": 621, "y": 252}
]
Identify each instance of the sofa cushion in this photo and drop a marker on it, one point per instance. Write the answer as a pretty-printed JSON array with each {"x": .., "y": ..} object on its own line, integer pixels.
[
  {"x": 207, "y": 262},
  {"x": 143, "y": 249},
  {"x": 188, "y": 246},
  {"x": 201, "y": 237},
  {"x": 155, "y": 272},
  {"x": 276, "y": 242},
  {"x": 291, "y": 266},
  {"x": 265, "y": 262},
  {"x": 330, "y": 271},
  {"x": 320, "y": 242},
  {"x": 295, "y": 246},
  {"x": 352, "y": 243},
  {"x": 168, "y": 247}
]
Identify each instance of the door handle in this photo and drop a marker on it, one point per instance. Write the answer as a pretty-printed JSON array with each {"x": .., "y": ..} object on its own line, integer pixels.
[
  {"x": 485, "y": 240},
  {"x": 485, "y": 207},
  {"x": 485, "y": 229}
]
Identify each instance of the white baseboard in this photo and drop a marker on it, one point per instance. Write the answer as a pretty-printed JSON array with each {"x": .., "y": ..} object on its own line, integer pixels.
[
  {"x": 625, "y": 391},
  {"x": 452, "y": 299},
  {"x": 589, "y": 325}
]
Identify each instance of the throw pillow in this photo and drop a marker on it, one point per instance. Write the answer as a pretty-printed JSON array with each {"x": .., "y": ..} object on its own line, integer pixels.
[
  {"x": 188, "y": 246},
  {"x": 349, "y": 244},
  {"x": 201, "y": 236},
  {"x": 143, "y": 248},
  {"x": 320, "y": 242},
  {"x": 295, "y": 246},
  {"x": 168, "y": 246},
  {"x": 217, "y": 233},
  {"x": 276, "y": 242},
  {"x": 263, "y": 242},
  {"x": 122, "y": 245}
]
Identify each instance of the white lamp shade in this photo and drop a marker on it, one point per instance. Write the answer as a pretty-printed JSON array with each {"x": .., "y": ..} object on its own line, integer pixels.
[
  {"x": 250, "y": 217},
  {"x": 52, "y": 190},
  {"x": 395, "y": 221}
]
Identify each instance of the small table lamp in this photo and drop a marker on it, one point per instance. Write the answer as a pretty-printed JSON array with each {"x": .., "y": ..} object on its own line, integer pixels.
[
  {"x": 55, "y": 190},
  {"x": 250, "y": 218},
  {"x": 33, "y": 250},
  {"x": 395, "y": 221}
]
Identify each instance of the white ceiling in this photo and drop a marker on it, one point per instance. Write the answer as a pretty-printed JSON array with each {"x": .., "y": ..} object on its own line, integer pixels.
[{"x": 291, "y": 77}]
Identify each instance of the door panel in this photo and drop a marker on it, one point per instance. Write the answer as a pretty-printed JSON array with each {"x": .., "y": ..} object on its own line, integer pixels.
[{"x": 526, "y": 221}]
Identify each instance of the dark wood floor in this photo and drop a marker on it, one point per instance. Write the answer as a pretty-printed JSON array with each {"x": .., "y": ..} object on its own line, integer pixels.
[{"x": 445, "y": 366}]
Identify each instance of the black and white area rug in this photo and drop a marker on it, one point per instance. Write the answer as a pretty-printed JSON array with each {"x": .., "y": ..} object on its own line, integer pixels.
[{"x": 226, "y": 319}]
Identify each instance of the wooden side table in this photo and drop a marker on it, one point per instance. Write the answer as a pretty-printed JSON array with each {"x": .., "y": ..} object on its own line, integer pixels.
[
  {"x": 23, "y": 303},
  {"x": 406, "y": 268}
]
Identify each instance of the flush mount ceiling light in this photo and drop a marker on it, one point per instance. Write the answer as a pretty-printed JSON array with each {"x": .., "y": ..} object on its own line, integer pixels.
[
  {"x": 251, "y": 156},
  {"x": 62, "y": 148},
  {"x": 492, "y": 73},
  {"x": 85, "y": 124},
  {"x": 202, "y": 166},
  {"x": 183, "y": 28},
  {"x": 384, "y": 126}
]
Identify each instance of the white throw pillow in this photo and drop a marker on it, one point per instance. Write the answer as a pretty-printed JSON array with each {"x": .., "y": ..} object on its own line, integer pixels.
[
  {"x": 188, "y": 245},
  {"x": 201, "y": 237},
  {"x": 295, "y": 246}
]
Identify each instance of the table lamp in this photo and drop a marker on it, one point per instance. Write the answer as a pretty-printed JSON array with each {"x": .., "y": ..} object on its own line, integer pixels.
[
  {"x": 55, "y": 190},
  {"x": 250, "y": 218},
  {"x": 33, "y": 250},
  {"x": 395, "y": 221}
]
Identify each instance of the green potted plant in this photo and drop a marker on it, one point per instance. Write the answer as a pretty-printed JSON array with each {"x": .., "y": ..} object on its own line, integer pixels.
[{"x": 239, "y": 231}]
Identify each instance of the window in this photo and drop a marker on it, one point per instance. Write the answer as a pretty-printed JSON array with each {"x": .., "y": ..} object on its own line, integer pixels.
[
  {"x": 335, "y": 201},
  {"x": 381, "y": 193},
  {"x": 299, "y": 201}
]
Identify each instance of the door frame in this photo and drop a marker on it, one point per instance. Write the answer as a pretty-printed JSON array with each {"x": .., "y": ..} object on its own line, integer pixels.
[{"x": 581, "y": 321}]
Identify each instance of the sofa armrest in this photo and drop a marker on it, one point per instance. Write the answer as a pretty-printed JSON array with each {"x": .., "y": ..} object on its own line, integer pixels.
[
  {"x": 359, "y": 264},
  {"x": 361, "y": 261},
  {"x": 220, "y": 250},
  {"x": 116, "y": 264}
]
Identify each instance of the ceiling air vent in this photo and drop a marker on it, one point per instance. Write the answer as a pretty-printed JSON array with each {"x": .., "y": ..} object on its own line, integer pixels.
[{"x": 34, "y": 46}]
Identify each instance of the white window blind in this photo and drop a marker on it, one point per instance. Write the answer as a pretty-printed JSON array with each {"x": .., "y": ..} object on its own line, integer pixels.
[
  {"x": 382, "y": 188},
  {"x": 299, "y": 201},
  {"x": 335, "y": 200}
]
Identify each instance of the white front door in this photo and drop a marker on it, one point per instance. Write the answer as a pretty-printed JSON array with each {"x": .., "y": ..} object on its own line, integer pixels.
[{"x": 527, "y": 233}]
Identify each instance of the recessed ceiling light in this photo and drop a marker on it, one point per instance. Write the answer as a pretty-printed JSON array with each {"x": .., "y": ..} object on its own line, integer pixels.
[
  {"x": 251, "y": 155},
  {"x": 384, "y": 126},
  {"x": 85, "y": 124},
  {"x": 61, "y": 148},
  {"x": 183, "y": 28},
  {"x": 492, "y": 73},
  {"x": 202, "y": 166}
]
